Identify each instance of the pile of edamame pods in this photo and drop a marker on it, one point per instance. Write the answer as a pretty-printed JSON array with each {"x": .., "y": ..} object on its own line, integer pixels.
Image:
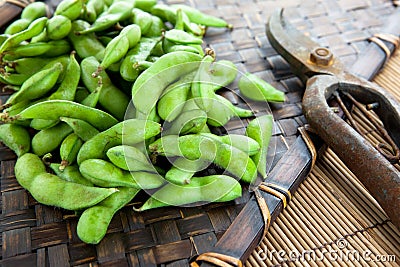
[{"x": 114, "y": 97}]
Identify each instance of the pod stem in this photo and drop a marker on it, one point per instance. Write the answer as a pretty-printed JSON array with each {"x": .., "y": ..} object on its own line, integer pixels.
[
  {"x": 97, "y": 72},
  {"x": 210, "y": 52},
  {"x": 4, "y": 106},
  {"x": 46, "y": 159},
  {"x": 10, "y": 87},
  {"x": 136, "y": 209},
  {"x": 64, "y": 163},
  {"x": 5, "y": 117}
]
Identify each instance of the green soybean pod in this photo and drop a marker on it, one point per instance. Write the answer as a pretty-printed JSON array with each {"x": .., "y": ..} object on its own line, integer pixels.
[
  {"x": 29, "y": 65},
  {"x": 165, "y": 70},
  {"x": 84, "y": 130},
  {"x": 128, "y": 132},
  {"x": 115, "y": 50},
  {"x": 85, "y": 45},
  {"x": 38, "y": 84},
  {"x": 152, "y": 116},
  {"x": 145, "y": 5},
  {"x": 156, "y": 28},
  {"x": 70, "y": 173},
  {"x": 197, "y": 49},
  {"x": 129, "y": 158},
  {"x": 14, "y": 78},
  {"x": 64, "y": 108},
  {"x": 118, "y": 11},
  {"x": 41, "y": 37},
  {"x": 112, "y": 99},
  {"x": 81, "y": 93},
  {"x": 165, "y": 12},
  {"x": 179, "y": 23},
  {"x": 169, "y": 13},
  {"x": 157, "y": 51},
  {"x": 106, "y": 174},
  {"x": 35, "y": 28},
  {"x": 237, "y": 162},
  {"x": 27, "y": 50},
  {"x": 255, "y": 88},
  {"x": 168, "y": 146},
  {"x": 118, "y": 47},
  {"x": 172, "y": 102},
  {"x": 201, "y": 18},
  {"x": 27, "y": 167},
  {"x": 41, "y": 124},
  {"x": 58, "y": 27},
  {"x": 52, "y": 48},
  {"x": 64, "y": 60},
  {"x": 191, "y": 121},
  {"x": 31, "y": 12},
  {"x": 69, "y": 8},
  {"x": 132, "y": 65},
  {"x": 65, "y": 91},
  {"x": 58, "y": 48},
  {"x": 232, "y": 159},
  {"x": 93, "y": 98},
  {"x": 242, "y": 142},
  {"x": 94, "y": 221},
  {"x": 14, "y": 109},
  {"x": 223, "y": 72},
  {"x": 181, "y": 37},
  {"x": 51, "y": 190},
  {"x": 15, "y": 137},
  {"x": 196, "y": 146},
  {"x": 222, "y": 110},
  {"x": 133, "y": 33},
  {"x": 142, "y": 19},
  {"x": 201, "y": 88},
  {"x": 183, "y": 170},
  {"x": 213, "y": 188},
  {"x": 93, "y": 8},
  {"x": 69, "y": 149},
  {"x": 47, "y": 140},
  {"x": 4, "y": 37},
  {"x": 34, "y": 10},
  {"x": 17, "y": 26},
  {"x": 260, "y": 129},
  {"x": 107, "y": 3},
  {"x": 69, "y": 84}
]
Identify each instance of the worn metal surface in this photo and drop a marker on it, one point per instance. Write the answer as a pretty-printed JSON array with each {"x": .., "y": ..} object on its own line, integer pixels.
[{"x": 325, "y": 75}]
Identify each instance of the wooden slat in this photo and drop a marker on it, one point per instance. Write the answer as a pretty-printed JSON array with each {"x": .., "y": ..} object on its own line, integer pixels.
[{"x": 37, "y": 235}]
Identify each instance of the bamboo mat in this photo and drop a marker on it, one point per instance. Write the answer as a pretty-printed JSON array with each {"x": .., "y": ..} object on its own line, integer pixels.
[
  {"x": 331, "y": 212},
  {"x": 333, "y": 220}
]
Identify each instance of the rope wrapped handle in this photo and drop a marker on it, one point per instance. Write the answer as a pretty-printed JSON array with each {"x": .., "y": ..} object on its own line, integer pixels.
[
  {"x": 390, "y": 38},
  {"x": 9, "y": 9},
  {"x": 19, "y": 3},
  {"x": 217, "y": 259}
]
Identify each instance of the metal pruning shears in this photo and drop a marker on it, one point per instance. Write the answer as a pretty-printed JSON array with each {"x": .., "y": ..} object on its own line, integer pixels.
[{"x": 326, "y": 81}]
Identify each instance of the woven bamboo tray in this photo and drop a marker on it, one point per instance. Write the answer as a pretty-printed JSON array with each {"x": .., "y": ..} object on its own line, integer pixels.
[{"x": 330, "y": 206}]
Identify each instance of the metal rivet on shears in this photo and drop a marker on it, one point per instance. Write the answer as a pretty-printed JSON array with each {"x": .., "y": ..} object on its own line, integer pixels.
[{"x": 321, "y": 56}]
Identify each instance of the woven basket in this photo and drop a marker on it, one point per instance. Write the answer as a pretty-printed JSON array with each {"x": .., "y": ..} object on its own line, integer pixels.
[{"x": 37, "y": 235}]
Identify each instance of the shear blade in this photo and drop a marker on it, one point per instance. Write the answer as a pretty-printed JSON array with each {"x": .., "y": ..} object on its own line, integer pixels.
[{"x": 295, "y": 47}]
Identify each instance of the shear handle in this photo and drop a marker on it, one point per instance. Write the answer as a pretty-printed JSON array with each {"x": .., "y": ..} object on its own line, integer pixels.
[{"x": 380, "y": 177}]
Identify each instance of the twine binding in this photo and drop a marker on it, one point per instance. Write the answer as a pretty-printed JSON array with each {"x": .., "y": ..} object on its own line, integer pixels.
[
  {"x": 217, "y": 259},
  {"x": 380, "y": 37},
  {"x": 21, "y": 4}
]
